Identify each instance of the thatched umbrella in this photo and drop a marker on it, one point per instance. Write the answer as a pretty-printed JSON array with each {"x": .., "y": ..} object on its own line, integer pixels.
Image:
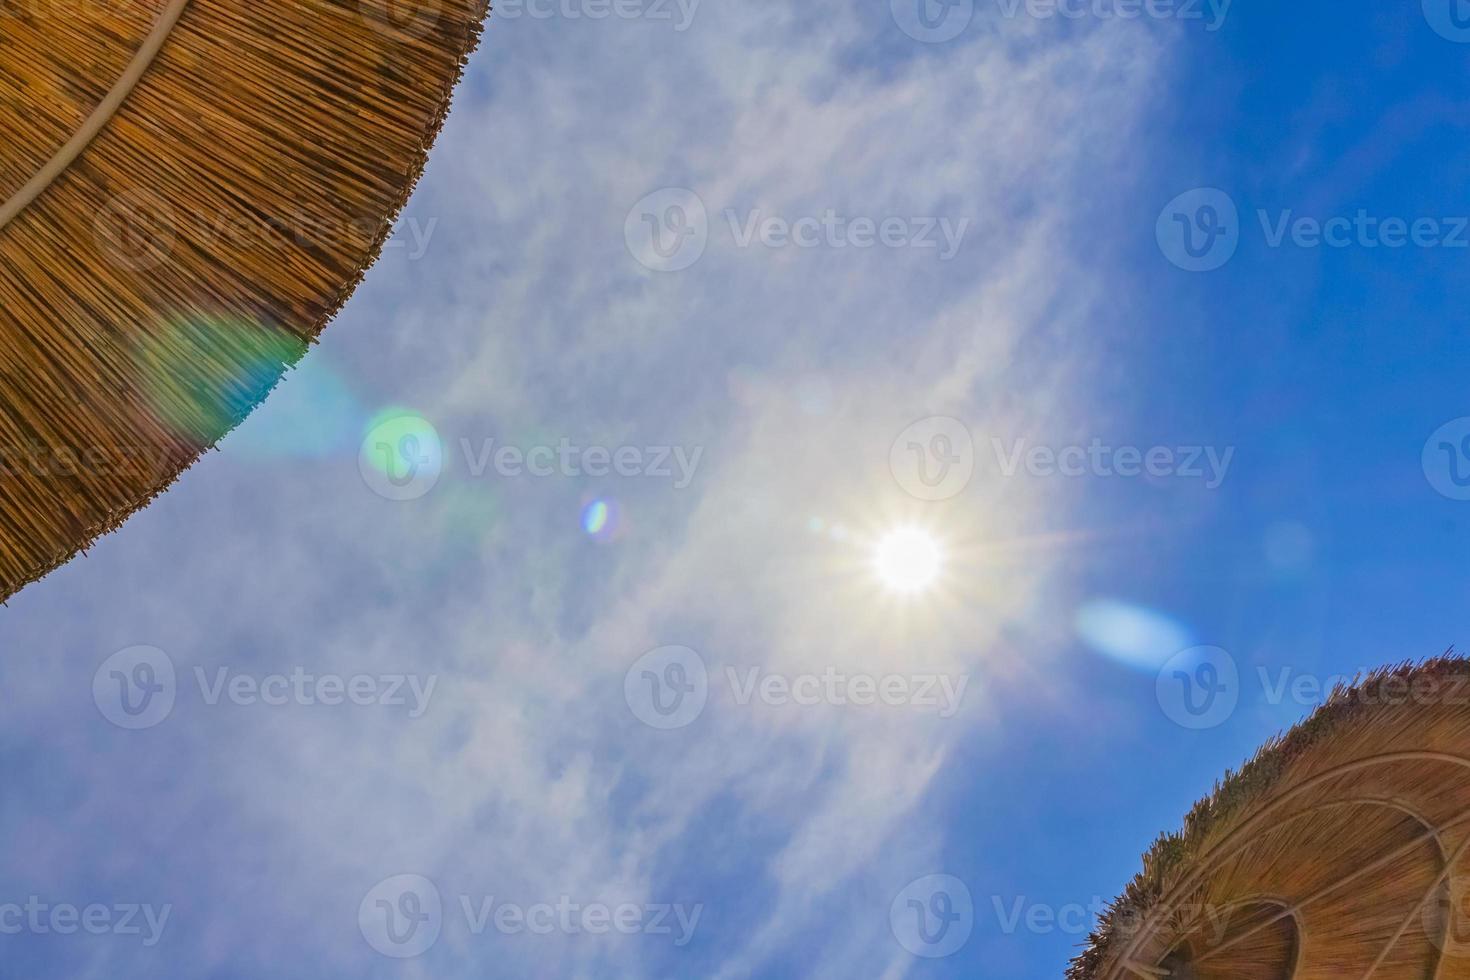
[
  {"x": 189, "y": 190},
  {"x": 1339, "y": 852}
]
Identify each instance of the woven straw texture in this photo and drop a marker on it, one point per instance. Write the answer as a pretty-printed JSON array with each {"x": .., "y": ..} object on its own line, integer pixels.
[
  {"x": 189, "y": 191},
  {"x": 1342, "y": 851}
]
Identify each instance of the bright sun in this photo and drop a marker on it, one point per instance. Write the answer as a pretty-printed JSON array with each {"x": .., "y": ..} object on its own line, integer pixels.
[{"x": 908, "y": 560}]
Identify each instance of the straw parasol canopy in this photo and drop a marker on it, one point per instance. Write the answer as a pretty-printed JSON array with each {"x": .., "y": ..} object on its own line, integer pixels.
[
  {"x": 189, "y": 191},
  {"x": 1339, "y": 852}
]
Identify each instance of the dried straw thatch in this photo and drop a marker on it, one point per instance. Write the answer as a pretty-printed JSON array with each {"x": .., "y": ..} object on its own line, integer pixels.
[
  {"x": 1339, "y": 852},
  {"x": 189, "y": 190}
]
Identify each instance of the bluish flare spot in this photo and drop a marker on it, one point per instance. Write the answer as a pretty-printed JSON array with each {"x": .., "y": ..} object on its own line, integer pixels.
[{"x": 1136, "y": 636}]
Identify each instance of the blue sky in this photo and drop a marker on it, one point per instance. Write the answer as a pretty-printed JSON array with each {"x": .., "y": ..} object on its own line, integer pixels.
[{"x": 1047, "y": 159}]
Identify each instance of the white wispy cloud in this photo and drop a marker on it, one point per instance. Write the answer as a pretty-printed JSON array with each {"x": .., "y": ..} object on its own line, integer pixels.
[{"x": 528, "y": 318}]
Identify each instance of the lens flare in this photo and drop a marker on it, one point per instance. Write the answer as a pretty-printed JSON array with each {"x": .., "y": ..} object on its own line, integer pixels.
[
  {"x": 1132, "y": 634},
  {"x": 402, "y": 446},
  {"x": 203, "y": 375},
  {"x": 602, "y": 519}
]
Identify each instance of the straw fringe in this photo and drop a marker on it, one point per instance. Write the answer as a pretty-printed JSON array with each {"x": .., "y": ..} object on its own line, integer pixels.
[
  {"x": 1375, "y": 784},
  {"x": 160, "y": 286}
]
